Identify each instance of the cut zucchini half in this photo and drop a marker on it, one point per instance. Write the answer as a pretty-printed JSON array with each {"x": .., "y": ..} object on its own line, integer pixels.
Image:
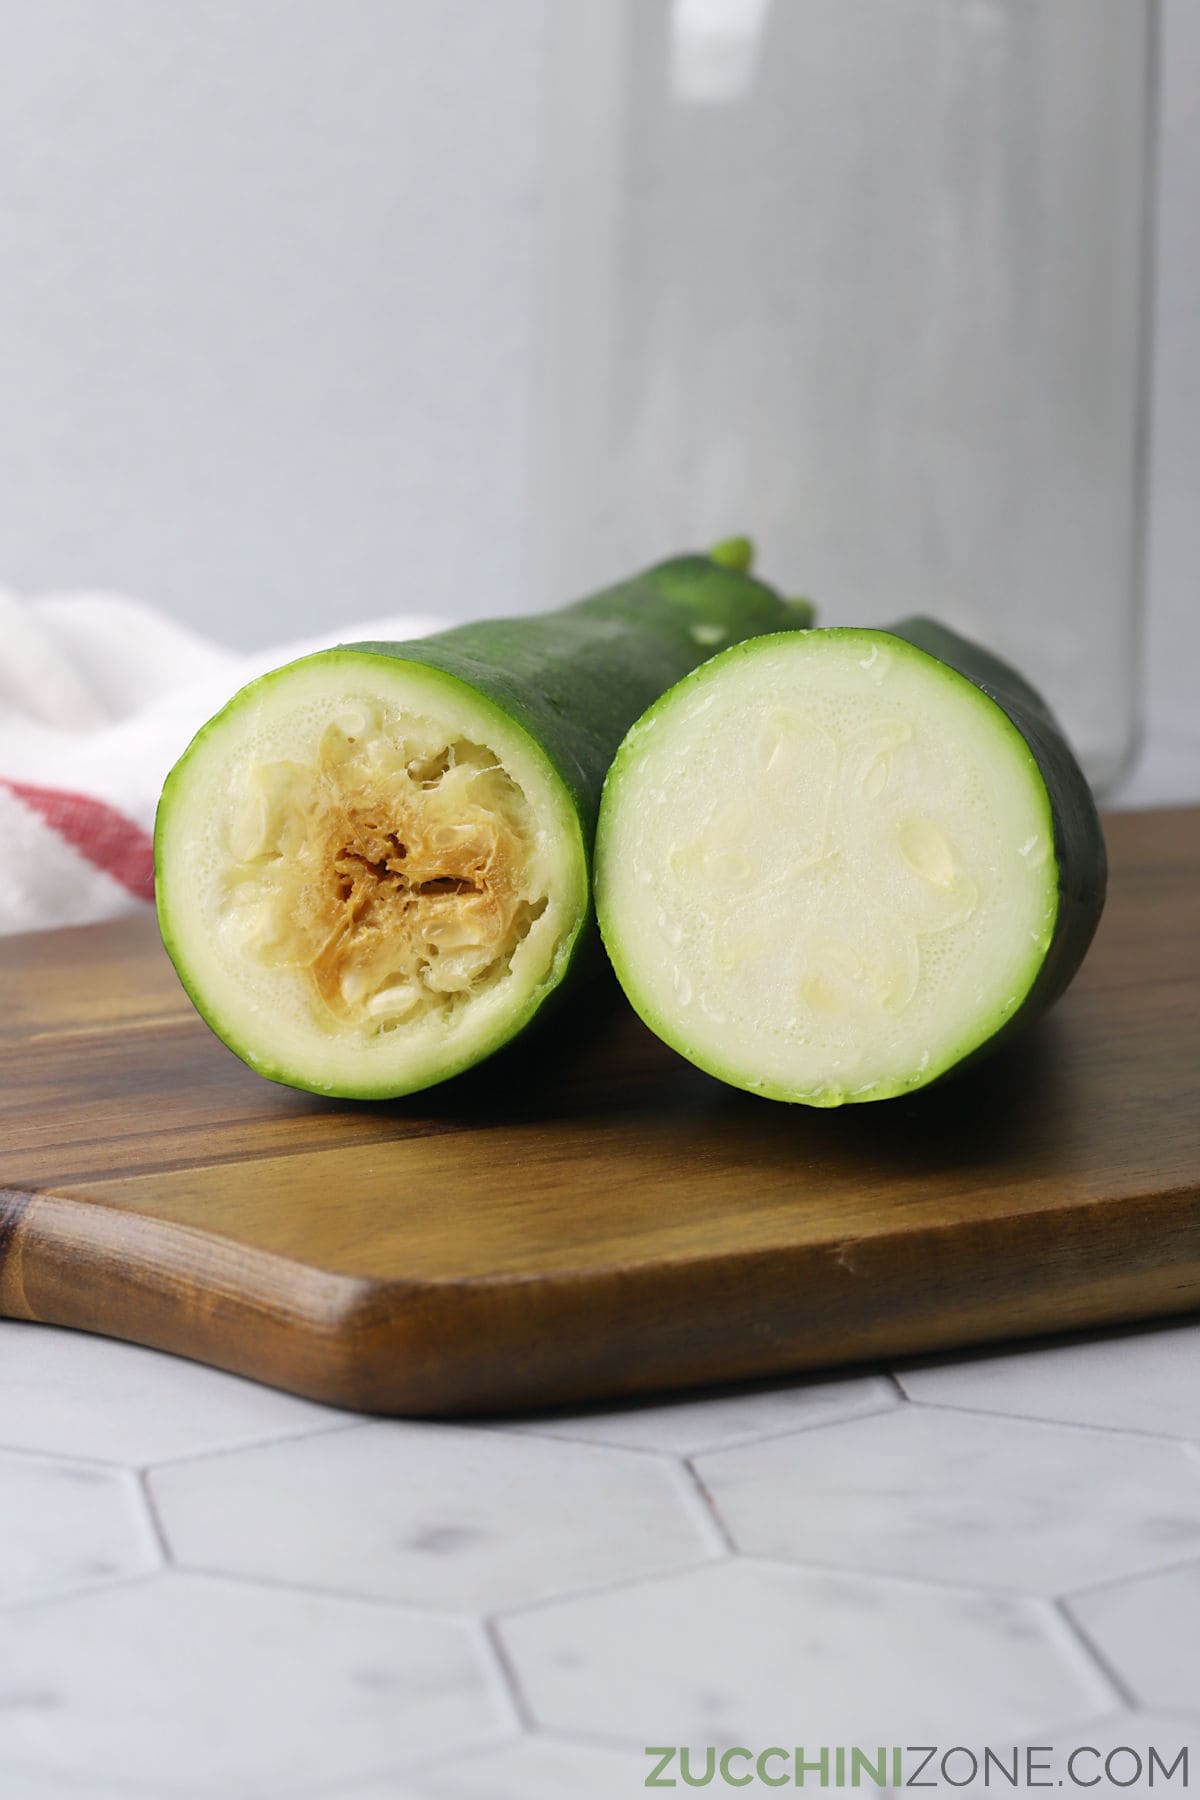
[
  {"x": 373, "y": 866},
  {"x": 833, "y": 866},
  {"x": 371, "y": 875}
]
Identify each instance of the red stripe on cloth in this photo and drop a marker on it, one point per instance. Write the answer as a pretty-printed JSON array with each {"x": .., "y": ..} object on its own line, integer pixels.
[{"x": 98, "y": 831}]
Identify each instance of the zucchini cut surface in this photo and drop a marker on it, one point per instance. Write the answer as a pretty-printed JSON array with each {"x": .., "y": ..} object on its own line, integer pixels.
[
  {"x": 369, "y": 874},
  {"x": 826, "y": 867}
]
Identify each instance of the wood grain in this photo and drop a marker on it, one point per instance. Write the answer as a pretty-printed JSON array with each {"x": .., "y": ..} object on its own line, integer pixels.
[{"x": 589, "y": 1216}]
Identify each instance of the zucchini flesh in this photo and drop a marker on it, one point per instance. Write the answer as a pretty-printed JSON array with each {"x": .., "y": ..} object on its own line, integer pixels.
[
  {"x": 373, "y": 865},
  {"x": 834, "y": 866}
]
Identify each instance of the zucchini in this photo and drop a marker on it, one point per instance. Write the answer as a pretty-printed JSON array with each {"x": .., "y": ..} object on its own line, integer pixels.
[
  {"x": 836, "y": 865},
  {"x": 373, "y": 866}
]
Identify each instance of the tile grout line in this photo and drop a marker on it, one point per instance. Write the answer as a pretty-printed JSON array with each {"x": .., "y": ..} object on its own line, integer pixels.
[
  {"x": 510, "y": 1679},
  {"x": 85, "y": 1591},
  {"x": 756, "y": 1559},
  {"x": 521, "y": 1609},
  {"x": 1096, "y": 1657},
  {"x": 1020, "y": 1418},
  {"x": 718, "y": 1447},
  {"x": 703, "y": 1497},
  {"x": 936, "y": 1584},
  {"x": 56, "y": 1458},
  {"x": 622, "y": 1584},
  {"x": 275, "y": 1584},
  {"x": 154, "y": 1464},
  {"x": 154, "y": 1518},
  {"x": 463, "y": 1615},
  {"x": 1129, "y": 1579},
  {"x": 142, "y": 1465}
]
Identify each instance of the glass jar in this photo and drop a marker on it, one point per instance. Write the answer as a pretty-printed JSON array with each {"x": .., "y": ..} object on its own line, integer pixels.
[{"x": 866, "y": 281}]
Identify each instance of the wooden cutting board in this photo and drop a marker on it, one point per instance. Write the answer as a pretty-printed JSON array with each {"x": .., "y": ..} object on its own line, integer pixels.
[{"x": 590, "y": 1216}]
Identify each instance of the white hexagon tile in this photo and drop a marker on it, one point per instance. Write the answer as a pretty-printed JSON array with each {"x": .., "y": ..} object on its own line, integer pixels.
[
  {"x": 1146, "y": 1380},
  {"x": 1149, "y": 1633},
  {"x": 749, "y": 1652},
  {"x": 445, "y": 1516},
  {"x": 67, "y": 1526},
  {"x": 711, "y": 1421},
  {"x": 94, "y": 1397},
  {"x": 946, "y": 1496},
  {"x": 225, "y": 1688},
  {"x": 331, "y": 1644}
]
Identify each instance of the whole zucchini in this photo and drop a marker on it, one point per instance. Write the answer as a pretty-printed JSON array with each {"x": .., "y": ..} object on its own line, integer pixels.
[
  {"x": 835, "y": 865},
  {"x": 373, "y": 866}
]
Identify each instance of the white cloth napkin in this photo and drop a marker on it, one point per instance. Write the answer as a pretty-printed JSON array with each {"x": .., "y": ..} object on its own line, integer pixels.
[{"x": 98, "y": 697}]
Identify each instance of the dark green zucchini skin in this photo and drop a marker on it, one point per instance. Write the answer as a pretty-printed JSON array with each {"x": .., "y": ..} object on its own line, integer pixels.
[
  {"x": 1079, "y": 849},
  {"x": 576, "y": 679}
]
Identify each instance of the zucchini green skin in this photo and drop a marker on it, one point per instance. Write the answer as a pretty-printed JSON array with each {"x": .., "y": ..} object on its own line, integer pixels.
[
  {"x": 570, "y": 681},
  {"x": 1080, "y": 854},
  {"x": 576, "y": 679}
]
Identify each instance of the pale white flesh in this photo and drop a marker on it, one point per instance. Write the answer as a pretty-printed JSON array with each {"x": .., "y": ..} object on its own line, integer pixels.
[
  {"x": 368, "y": 875},
  {"x": 825, "y": 867}
]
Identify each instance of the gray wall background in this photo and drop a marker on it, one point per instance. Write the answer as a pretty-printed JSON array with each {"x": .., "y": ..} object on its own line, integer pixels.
[
  {"x": 267, "y": 305},
  {"x": 269, "y": 315}
]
